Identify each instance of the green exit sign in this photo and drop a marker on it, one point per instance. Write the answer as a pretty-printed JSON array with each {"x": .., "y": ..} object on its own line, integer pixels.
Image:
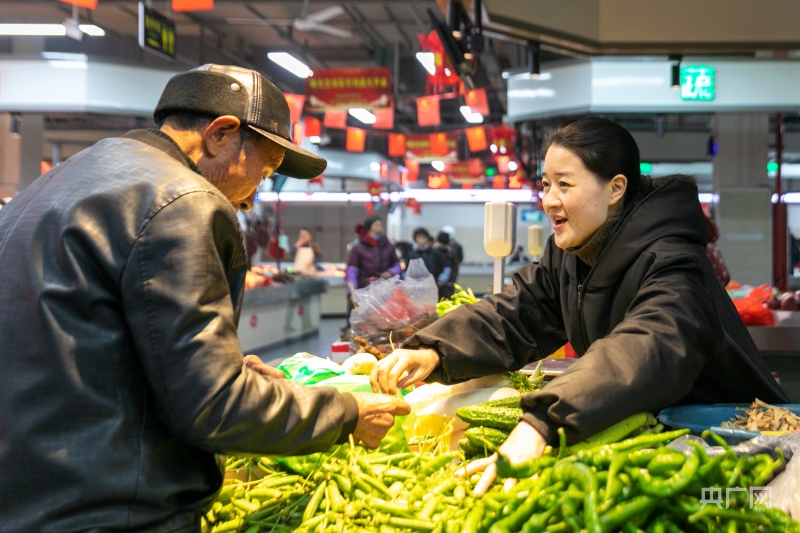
[
  {"x": 156, "y": 32},
  {"x": 697, "y": 83}
]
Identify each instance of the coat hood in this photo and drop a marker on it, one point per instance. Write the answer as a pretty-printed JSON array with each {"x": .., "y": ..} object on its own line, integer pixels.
[{"x": 667, "y": 208}]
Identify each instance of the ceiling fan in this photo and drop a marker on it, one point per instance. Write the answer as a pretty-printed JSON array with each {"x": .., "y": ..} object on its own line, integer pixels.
[{"x": 305, "y": 22}]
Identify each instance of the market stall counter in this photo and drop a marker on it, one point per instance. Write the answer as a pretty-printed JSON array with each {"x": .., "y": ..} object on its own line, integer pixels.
[
  {"x": 780, "y": 347},
  {"x": 279, "y": 314}
]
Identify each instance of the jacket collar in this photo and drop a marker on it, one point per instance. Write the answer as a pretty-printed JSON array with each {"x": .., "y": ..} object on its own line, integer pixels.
[
  {"x": 165, "y": 143},
  {"x": 668, "y": 208}
]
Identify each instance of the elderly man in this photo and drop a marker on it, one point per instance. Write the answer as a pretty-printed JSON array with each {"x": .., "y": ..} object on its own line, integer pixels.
[{"x": 123, "y": 274}]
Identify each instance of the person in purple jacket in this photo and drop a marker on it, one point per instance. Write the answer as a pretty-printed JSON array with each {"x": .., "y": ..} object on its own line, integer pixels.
[{"x": 371, "y": 258}]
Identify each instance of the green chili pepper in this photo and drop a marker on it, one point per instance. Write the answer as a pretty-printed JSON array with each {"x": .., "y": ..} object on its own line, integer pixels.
[
  {"x": 665, "y": 488},
  {"x": 583, "y": 477},
  {"x": 625, "y": 511}
]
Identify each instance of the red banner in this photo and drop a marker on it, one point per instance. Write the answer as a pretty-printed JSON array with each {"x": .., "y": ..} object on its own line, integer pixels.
[
  {"x": 192, "y": 5},
  {"x": 344, "y": 88},
  {"x": 419, "y": 146},
  {"x": 466, "y": 172}
]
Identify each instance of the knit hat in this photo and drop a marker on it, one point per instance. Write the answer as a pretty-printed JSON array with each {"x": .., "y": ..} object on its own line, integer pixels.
[
  {"x": 369, "y": 221},
  {"x": 449, "y": 230},
  {"x": 218, "y": 90}
]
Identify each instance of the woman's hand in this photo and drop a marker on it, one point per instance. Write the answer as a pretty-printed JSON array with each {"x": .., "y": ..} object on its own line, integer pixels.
[
  {"x": 401, "y": 368},
  {"x": 524, "y": 444}
]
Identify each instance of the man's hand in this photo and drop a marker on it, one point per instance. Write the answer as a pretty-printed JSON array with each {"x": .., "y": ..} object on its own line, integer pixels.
[
  {"x": 254, "y": 362},
  {"x": 376, "y": 414},
  {"x": 402, "y": 368},
  {"x": 524, "y": 444},
  {"x": 386, "y": 275}
]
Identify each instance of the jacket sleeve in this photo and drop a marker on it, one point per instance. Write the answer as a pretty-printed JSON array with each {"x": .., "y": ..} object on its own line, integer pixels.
[
  {"x": 648, "y": 361},
  {"x": 179, "y": 307},
  {"x": 502, "y": 332}
]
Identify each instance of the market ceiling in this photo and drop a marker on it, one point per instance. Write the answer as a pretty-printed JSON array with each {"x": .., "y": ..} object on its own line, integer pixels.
[{"x": 368, "y": 33}]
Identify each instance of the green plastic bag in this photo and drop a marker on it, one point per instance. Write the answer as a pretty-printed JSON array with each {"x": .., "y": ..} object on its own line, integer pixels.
[
  {"x": 308, "y": 369},
  {"x": 347, "y": 383}
]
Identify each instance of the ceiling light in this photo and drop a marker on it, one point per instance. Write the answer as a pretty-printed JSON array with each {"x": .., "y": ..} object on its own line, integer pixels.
[
  {"x": 290, "y": 63},
  {"x": 512, "y": 166},
  {"x": 472, "y": 118},
  {"x": 363, "y": 115},
  {"x": 55, "y": 30},
  {"x": 438, "y": 165},
  {"x": 426, "y": 58},
  {"x": 316, "y": 139},
  {"x": 375, "y": 166},
  {"x": 493, "y": 148}
]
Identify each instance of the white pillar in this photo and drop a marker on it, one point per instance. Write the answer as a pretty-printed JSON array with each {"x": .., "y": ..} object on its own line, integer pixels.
[{"x": 744, "y": 214}]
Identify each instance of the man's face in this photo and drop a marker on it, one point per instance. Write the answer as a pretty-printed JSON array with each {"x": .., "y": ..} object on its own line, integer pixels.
[{"x": 241, "y": 167}]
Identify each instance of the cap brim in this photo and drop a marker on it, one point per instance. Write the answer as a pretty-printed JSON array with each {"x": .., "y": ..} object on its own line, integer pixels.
[{"x": 297, "y": 163}]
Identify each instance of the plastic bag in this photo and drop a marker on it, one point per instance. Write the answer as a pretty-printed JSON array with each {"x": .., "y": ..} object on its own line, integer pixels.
[
  {"x": 753, "y": 307},
  {"x": 394, "y": 307},
  {"x": 347, "y": 383},
  {"x": 308, "y": 369}
]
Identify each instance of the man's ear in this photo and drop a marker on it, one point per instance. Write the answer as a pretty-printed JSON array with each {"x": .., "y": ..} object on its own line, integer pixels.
[
  {"x": 223, "y": 132},
  {"x": 616, "y": 189}
]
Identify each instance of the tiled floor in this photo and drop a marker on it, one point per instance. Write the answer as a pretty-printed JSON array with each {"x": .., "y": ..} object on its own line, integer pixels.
[{"x": 317, "y": 345}]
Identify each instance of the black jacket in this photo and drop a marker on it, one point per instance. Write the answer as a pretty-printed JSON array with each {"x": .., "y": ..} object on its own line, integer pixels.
[
  {"x": 122, "y": 280},
  {"x": 651, "y": 322}
]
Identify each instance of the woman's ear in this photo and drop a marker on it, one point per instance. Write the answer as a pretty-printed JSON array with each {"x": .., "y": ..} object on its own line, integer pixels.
[
  {"x": 616, "y": 189},
  {"x": 220, "y": 133}
]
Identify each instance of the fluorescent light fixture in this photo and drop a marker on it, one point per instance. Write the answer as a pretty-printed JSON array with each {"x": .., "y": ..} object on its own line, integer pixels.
[
  {"x": 438, "y": 165},
  {"x": 64, "y": 56},
  {"x": 375, "y": 166},
  {"x": 426, "y": 58},
  {"x": 290, "y": 63},
  {"x": 472, "y": 118},
  {"x": 363, "y": 115},
  {"x": 512, "y": 166},
  {"x": 55, "y": 30},
  {"x": 316, "y": 139}
]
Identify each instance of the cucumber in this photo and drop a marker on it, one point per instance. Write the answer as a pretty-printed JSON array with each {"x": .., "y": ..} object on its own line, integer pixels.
[{"x": 503, "y": 418}]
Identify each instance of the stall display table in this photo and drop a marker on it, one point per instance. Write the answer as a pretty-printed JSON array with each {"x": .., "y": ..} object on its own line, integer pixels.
[
  {"x": 280, "y": 314},
  {"x": 780, "y": 347}
]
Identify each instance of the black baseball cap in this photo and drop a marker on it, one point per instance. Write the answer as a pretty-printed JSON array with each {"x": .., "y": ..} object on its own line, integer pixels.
[{"x": 218, "y": 90}]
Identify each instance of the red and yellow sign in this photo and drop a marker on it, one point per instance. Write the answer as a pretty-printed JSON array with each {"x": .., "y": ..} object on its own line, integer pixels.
[
  {"x": 419, "y": 146},
  {"x": 343, "y": 88},
  {"x": 466, "y": 172}
]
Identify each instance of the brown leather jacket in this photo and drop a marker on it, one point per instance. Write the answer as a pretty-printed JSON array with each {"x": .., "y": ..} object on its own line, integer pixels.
[{"x": 122, "y": 377}]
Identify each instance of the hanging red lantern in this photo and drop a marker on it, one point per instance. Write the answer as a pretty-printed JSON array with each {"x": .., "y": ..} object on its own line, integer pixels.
[
  {"x": 443, "y": 72},
  {"x": 414, "y": 205},
  {"x": 374, "y": 188},
  {"x": 438, "y": 181}
]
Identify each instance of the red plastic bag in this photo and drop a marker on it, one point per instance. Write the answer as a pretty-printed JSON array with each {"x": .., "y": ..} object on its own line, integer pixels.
[
  {"x": 394, "y": 307},
  {"x": 753, "y": 307}
]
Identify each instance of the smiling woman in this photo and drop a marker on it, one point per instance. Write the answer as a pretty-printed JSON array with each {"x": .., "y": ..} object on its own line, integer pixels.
[{"x": 625, "y": 280}]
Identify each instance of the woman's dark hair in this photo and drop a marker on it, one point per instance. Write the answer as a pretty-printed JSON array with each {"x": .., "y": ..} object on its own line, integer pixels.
[
  {"x": 604, "y": 147},
  {"x": 442, "y": 238}
]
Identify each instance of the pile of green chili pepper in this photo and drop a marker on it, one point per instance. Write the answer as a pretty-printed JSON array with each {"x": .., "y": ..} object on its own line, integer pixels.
[{"x": 636, "y": 485}]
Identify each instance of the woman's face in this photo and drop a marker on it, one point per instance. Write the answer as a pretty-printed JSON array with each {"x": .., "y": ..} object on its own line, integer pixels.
[
  {"x": 576, "y": 201},
  {"x": 421, "y": 240}
]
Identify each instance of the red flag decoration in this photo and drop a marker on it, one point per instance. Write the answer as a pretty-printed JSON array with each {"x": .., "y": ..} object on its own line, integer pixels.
[
  {"x": 475, "y": 166},
  {"x": 297, "y": 133},
  {"x": 476, "y": 139},
  {"x": 192, "y": 5},
  {"x": 414, "y": 205},
  {"x": 397, "y": 145},
  {"x": 499, "y": 182},
  {"x": 356, "y": 139},
  {"x": 369, "y": 207},
  {"x": 295, "y": 102},
  {"x": 428, "y": 111},
  {"x": 88, "y": 4},
  {"x": 413, "y": 169},
  {"x": 313, "y": 127},
  {"x": 335, "y": 119},
  {"x": 438, "y": 143},
  {"x": 384, "y": 118},
  {"x": 477, "y": 101}
]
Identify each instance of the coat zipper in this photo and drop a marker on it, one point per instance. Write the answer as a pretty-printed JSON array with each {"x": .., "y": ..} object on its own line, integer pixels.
[{"x": 580, "y": 316}]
